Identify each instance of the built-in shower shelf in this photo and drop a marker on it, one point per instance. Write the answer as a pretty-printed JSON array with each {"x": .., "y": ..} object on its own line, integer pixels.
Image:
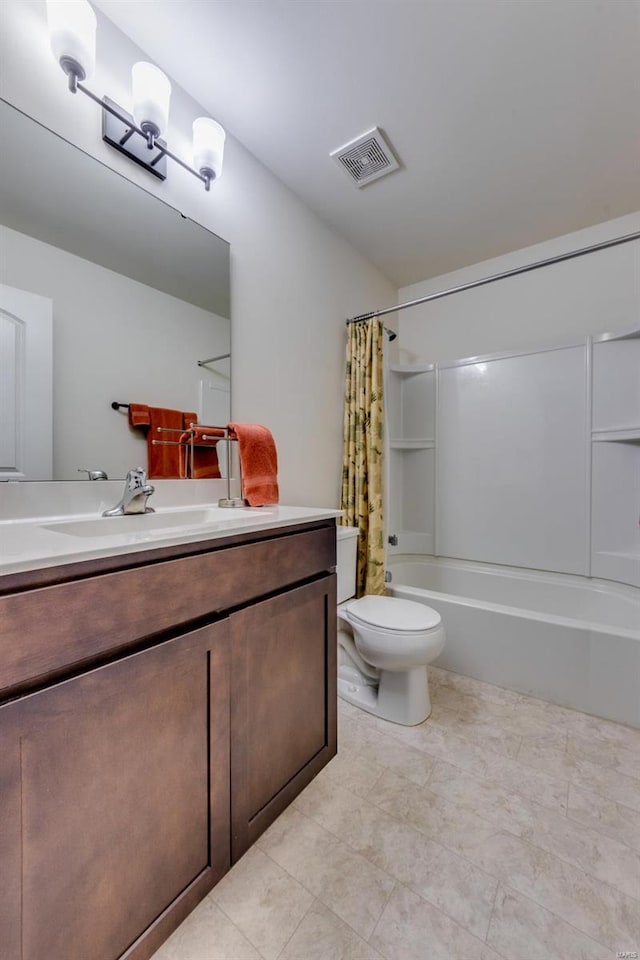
[
  {"x": 619, "y": 435},
  {"x": 411, "y": 369},
  {"x": 410, "y": 444}
]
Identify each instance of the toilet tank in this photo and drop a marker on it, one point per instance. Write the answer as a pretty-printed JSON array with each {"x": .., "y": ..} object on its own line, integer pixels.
[{"x": 346, "y": 557}]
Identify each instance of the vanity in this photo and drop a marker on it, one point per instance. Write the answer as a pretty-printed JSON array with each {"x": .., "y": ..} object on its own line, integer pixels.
[
  {"x": 167, "y": 682},
  {"x": 162, "y": 699}
]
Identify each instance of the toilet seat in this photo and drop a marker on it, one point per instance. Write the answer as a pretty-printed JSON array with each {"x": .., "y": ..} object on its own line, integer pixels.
[{"x": 393, "y": 615}]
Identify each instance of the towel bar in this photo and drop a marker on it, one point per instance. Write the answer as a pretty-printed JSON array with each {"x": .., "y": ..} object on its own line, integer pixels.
[
  {"x": 228, "y": 501},
  {"x": 222, "y": 433}
]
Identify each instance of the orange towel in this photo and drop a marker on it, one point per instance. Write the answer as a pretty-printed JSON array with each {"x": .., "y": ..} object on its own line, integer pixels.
[
  {"x": 258, "y": 463},
  {"x": 205, "y": 464},
  {"x": 139, "y": 415},
  {"x": 164, "y": 458}
]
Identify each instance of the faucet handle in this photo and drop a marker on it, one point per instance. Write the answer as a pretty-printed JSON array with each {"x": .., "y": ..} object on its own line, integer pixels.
[{"x": 136, "y": 478}]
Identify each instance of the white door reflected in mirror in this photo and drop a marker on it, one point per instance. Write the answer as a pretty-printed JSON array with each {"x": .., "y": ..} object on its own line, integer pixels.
[{"x": 26, "y": 369}]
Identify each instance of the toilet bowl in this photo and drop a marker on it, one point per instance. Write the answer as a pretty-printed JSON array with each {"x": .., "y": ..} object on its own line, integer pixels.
[{"x": 384, "y": 646}]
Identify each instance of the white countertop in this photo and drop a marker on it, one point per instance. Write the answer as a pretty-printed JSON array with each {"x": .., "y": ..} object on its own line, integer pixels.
[{"x": 34, "y": 543}]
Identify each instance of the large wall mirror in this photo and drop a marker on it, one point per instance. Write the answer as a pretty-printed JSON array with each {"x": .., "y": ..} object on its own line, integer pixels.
[{"x": 138, "y": 294}]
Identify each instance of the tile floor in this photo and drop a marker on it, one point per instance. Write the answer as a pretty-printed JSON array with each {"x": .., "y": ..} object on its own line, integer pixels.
[{"x": 502, "y": 827}]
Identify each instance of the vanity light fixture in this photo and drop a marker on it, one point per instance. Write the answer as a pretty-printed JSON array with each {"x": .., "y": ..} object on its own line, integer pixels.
[{"x": 72, "y": 28}]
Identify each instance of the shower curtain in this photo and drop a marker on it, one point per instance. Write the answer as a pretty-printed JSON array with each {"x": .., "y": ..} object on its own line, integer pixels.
[{"x": 362, "y": 450}]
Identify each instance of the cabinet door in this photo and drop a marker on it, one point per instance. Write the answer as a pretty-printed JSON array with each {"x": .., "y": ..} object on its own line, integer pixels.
[
  {"x": 115, "y": 802},
  {"x": 283, "y": 703}
]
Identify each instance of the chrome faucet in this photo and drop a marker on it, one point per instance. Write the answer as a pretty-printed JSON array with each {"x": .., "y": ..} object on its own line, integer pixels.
[
  {"x": 137, "y": 490},
  {"x": 93, "y": 474}
]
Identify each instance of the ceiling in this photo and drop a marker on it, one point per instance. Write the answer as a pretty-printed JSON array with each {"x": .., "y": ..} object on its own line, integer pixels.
[{"x": 514, "y": 120}]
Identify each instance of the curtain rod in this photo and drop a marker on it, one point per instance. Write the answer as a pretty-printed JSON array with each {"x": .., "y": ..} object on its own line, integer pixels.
[{"x": 499, "y": 276}]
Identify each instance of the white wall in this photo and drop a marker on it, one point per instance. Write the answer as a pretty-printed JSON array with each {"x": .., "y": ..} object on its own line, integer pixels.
[
  {"x": 597, "y": 293},
  {"x": 99, "y": 355},
  {"x": 293, "y": 282},
  {"x": 512, "y": 458}
]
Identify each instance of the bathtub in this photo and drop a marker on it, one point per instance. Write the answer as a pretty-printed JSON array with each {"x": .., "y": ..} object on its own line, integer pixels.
[{"x": 567, "y": 639}]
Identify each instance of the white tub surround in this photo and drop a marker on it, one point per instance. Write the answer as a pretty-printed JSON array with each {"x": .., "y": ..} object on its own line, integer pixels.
[
  {"x": 567, "y": 639},
  {"x": 529, "y": 459},
  {"x": 49, "y": 524}
]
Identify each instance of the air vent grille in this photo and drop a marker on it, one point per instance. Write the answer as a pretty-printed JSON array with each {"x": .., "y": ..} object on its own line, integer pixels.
[{"x": 367, "y": 158}]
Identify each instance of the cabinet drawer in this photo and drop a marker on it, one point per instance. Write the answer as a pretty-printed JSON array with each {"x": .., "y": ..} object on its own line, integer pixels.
[{"x": 48, "y": 630}]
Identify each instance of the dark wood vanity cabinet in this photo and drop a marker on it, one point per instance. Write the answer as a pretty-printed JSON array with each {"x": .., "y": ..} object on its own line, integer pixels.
[{"x": 130, "y": 781}]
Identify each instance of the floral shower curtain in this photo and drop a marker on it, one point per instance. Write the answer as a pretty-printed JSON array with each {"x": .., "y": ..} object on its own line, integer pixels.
[{"x": 362, "y": 450}]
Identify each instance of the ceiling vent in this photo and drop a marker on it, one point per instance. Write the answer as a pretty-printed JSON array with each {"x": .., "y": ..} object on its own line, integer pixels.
[{"x": 366, "y": 159}]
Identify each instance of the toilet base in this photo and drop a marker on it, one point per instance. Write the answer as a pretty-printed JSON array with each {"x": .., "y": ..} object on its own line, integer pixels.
[{"x": 399, "y": 696}]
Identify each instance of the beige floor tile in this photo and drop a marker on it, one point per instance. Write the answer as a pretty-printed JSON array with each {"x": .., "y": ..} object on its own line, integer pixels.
[
  {"x": 352, "y": 771},
  {"x": 416, "y": 843},
  {"x": 440, "y": 744},
  {"x": 346, "y": 882},
  {"x": 207, "y": 934},
  {"x": 522, "y": 725},
  {"x": 486, "y": 798},
  {"x": 593, "y": 907},
  {"x": 549, "y": 714},
  {"x": 608, "y": 817},
  {"x": 263, "y": 900},
  {"x": 522, "y": 930},
  {"x": 346, "y": 709},
  {"x": 411, "y": 929},
  {"x": 573, "y": 721},
  {"x": 439, "y": 875},
  {"x": 599, "y": 855},
  {"x": 550, "y": 757},
  {"x": 375, "y": 743},
  {"x": 434, "y": 740},
  {"x": 447, "y": 821},
  {"x": 324, "y": 936},
  {"x": 490, "y": 733},
  {"x": 538, "y": 785},
  {"x": 470, "y": 706},
  {"x": 606, "y": 730},
  {"x": 606, "y": 753}
]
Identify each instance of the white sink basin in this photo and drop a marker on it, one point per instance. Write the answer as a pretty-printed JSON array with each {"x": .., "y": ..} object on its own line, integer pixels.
[{"x": 150, "y": 524}]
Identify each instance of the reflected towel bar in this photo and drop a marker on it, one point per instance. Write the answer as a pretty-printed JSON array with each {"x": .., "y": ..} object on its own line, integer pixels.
[
  {"x": 227, "y": 501},
  {"x": 223, "y": 356}
]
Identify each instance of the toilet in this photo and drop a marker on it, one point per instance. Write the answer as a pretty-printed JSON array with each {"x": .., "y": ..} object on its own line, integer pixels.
[{"x": 384, "y": 645}]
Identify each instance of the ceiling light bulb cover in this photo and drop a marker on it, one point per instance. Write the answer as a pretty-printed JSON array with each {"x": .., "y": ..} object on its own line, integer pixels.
[
  {"x": 208, "y": 146},
  {"x": 72, "y": 31},
  {"x": 151, "y": 94}
]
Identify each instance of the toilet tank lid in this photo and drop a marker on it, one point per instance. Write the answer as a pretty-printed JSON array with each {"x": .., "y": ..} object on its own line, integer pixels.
[
  {"x": 392, "y": 613},
  {"x": 342, "y": 533}
]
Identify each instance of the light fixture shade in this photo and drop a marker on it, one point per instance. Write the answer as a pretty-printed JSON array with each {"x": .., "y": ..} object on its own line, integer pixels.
[
  {"x": 72, "y": 31},
  {"x": 151, "y": 94},
  {"x": 208, "y": 146}
]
